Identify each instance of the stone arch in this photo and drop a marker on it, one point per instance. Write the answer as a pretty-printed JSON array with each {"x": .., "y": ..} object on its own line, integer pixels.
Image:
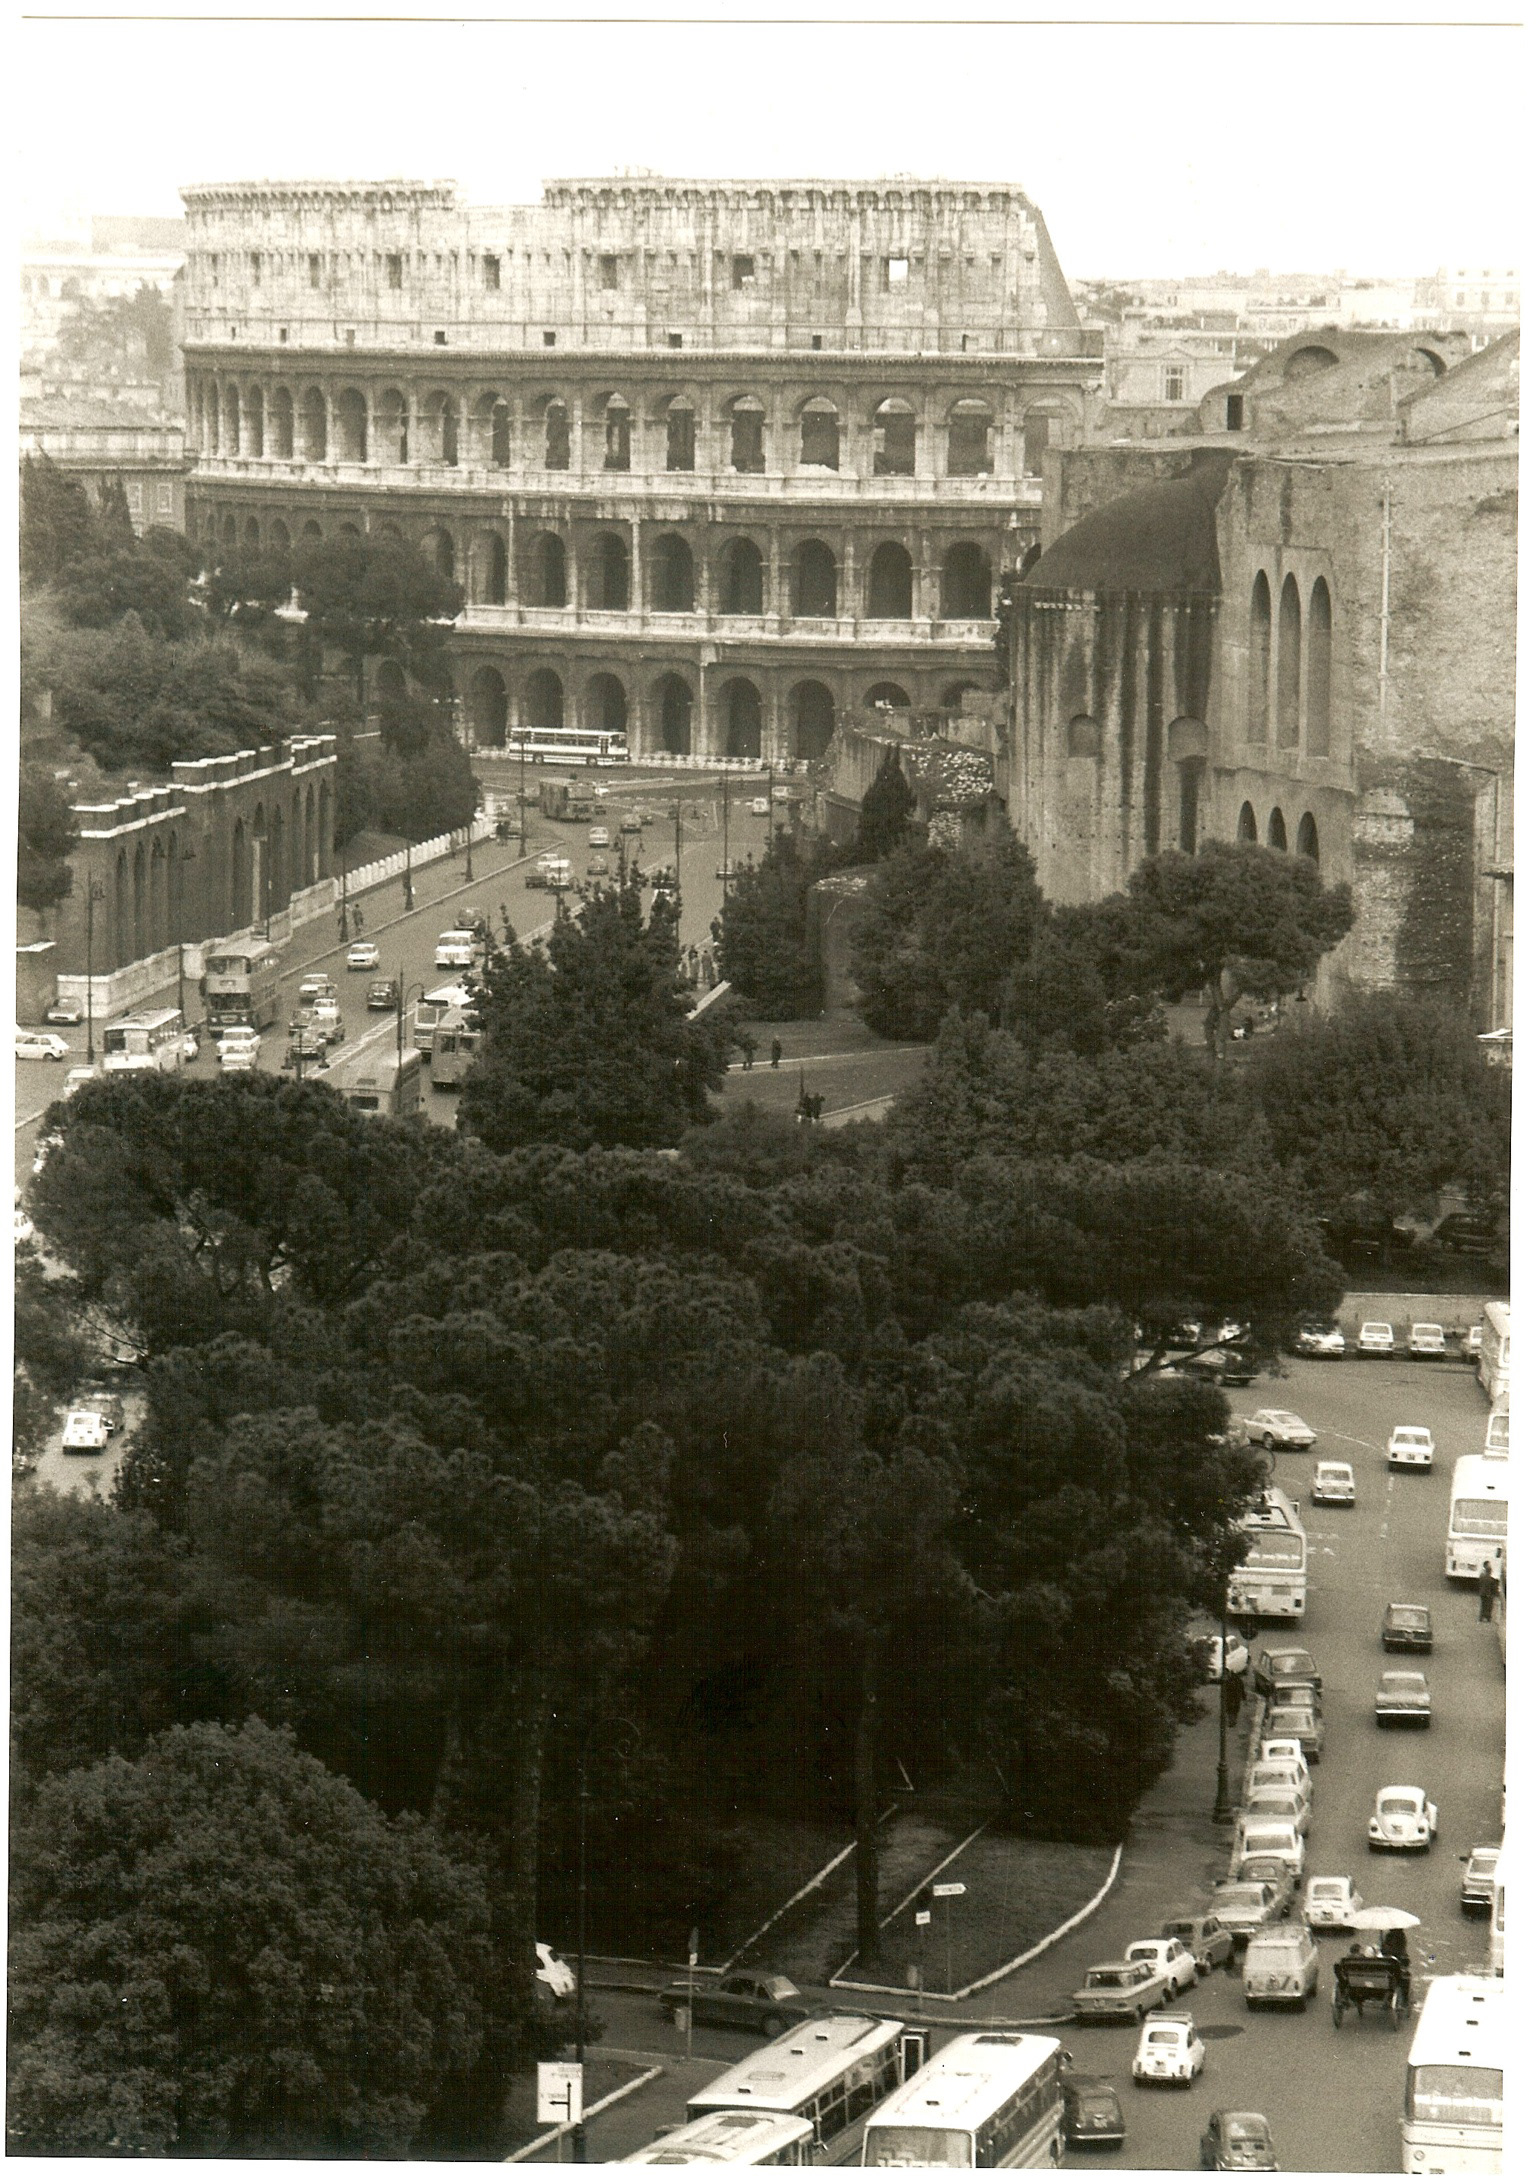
[
  {"x": 325, "y": 836},
  {"x": 672, "y": 583},
  {"x": 239, "y": 876},
  {"x": 254, "y": 421},
  {"x": 617, "y": 432},
  {"x": 1247, "y": 826},
  {"x": 351, "y": 425},
  {"x": 543, "y": 701},
  {"x": 608, "y": 573},
  {"x": 890, "y": 582},
  {"x": 311, "y": 838},
  {"x": 229, "y": 532},
  {"x": 966, "y": 587},
  {"x": 121, "y": 927},
  {"x": 488, "y": 707},
  {"x": 393, "y": 426},
  {"x": 1308, "y": 362},
  {"x": 437, "y": 550},
  {"x": 546, "y": 566},
  {"x": 440, "y": 419},
  {"x": 1288, "y": 667},
  {"x": 813, "y": 719},
  {"x": 820, "y": 434},
  {"x": 895, "y": 442},
  {"x": 741, "y": 713},
  {"x": 950, "y": 700},
  {"x": 1260, "y": 616},
  {"x": 672, "y": 701},
  {"x": 158, "y": 932},
  {"x": 1277, "y": 830},
  {"x": 557, "y": 435},
  {"x": 282, "y": 423},
  {"x": 813, "y": 581},
  {"x": 312, "y": 533},
  {"x": 741, "y": 578},
  {"x": 682, "y": 433},
  {"x": 1319, "y": 669},
  {"x": 279, "y": 543},
  {"x": 607, "y": 705},
  {"x": 1306, "y": 837},
  {"x": 315, "y": 425},
  {"x": 277, "y": 850},
  {"x": 250, "y": 537},
  {"x": 231, "y": 419},
  {"x": 968, "y": 451},
  {"x": 493, "y": 432},
  {"x": 887, "y": 696},
  {"x": 488, "y": 568},
  {"x": 747, "y": 419}
]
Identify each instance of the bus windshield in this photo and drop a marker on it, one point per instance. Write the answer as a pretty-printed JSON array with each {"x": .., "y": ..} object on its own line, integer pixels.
[
  {"x": 1268, "y": 1548},
  {"x": 1456, "y": 2094},
  {"x": 916, "y": 2147},
  {"x": 1480, "y": 1516}
]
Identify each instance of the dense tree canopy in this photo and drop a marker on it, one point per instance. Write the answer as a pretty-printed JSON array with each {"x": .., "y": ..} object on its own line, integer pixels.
[
  {"x": 767, "y": 949},
  {"x": 46, "y": 831},
  {"x": 885, "y": 813},
  {"x": 942, "y": 929},
  {"x": 375, "y": 597}
]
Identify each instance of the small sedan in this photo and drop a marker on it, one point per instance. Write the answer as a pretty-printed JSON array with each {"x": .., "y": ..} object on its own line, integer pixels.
[
  {"x": 1292, "y": 1665},
  {"x": 1333, "y": 1483},
  {"x": 1243, "y": 1907},
  {"x": 1408, "y": 1626},
  {"x": 1375, "y": 1339},
  {"x": 1477, "y": 1878},
  {"x": 362, "y": 956},
  {"x": 759, "y": 805},
  {"x": 1410, "y": 1446},
  {"x": 1301, "y": 1722},
  {"x": 599, "y": 836},
  {"x": 1169, "y": 2050},
  {"x": 762, "y": 2003},
  {"x": 315, "y": 986},
  {"x": 1275, "y": 1427},
  {"x": 1203, "y": 1936},
  {"x": 1117, "y": 1990},
  {"x": 238, "y": 1055},
  {"x": 1172, "y": 1960},
  {"x": 1331, "y": 1902},
  {"x": 1320, "y": 1342},
  {"x": 1402, "y": 1697},
  {"x": 1094, "y": 2118},
  {"x": 85, "y": 1431},
  {"x": 1405, "y": 1820},
  {"x": 1238, "y": 2140},
  {"x": 39, "y": 1044},
  {"x": 64, "y": 1013},
  {"x": 326, "y": 1020},
  {"x": 1426, "y": 1342},
  {"x": 383, "y": 995},
  {"x": 598, "y": 866}
]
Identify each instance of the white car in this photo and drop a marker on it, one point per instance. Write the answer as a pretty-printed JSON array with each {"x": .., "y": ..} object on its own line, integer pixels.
[
  {"x": 239, "y": 1052},
  {"x": 1321, "y": 1342},
  {"x": 77, "y": 1077},
  {"x": 1169, "y": 2049},
  {"x": 1333, "y": 1483},
  {"x": 1282, "y": 1750},
  {"x": 759, "y": 805},
  {"x": 365, "y": 954},
  {"x": 599, "y": 836},
  {"x": 1286, "y": 1803},
  {"x": 1426, "y": 1341},
  {"x": 1281, "y": 1777},
  {"x": 315, "y": 986},
  {"x": 40, "y": 1044},
  {"x": 1410, "y": 1446},
  {"x": 455, "y": 949},
  {"x": 552, "y": 1973},
  {"x": 1404, "y": 1821},
  {"x": 1273, "y": 1426},
  {"x": 1375, "y": 1338},
  {"x": 1172, "y": 1959},
  {"x": 85, "y": 1431},
  {"x": 1331, "y": 1902},
  {"x": 1262, "y": 1837}
]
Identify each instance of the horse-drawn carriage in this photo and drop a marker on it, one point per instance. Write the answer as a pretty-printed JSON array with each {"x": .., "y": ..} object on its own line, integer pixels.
[{"x": 1371, "y": 1977}]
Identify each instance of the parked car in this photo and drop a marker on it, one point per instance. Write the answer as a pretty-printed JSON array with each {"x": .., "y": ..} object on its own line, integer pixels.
[
  {"x": 1094, "y": 2118},
  {"x": 1404, "y": 1820},
  {"x": 1281, "y": 1750},
  {"x": 40, "y": 1044},
  {"x": 383, "y": 995},
  {"x": 1171, "y": 1959},
  {"x": 1219, "y": 1365},
  {"x": 552, "y": 1972},
  {"x": 1466, "y": 1233},
  {"x": 1170, "y": 2050},
  {"x": 77, "y": 1077},
  {"x": 315, "y": 986},
  {"x": 1281, "y": 1777},
  {"x": 362, "y": 956},
  {"x": 1472, "y": 1342},
  {"x": 1426, "y": 1342},
  {"x": 239, "y": 1054},
  {"x": 105, "y": 1403},
  {"x": 1293, "y": 1665},
  {"x": 1277, "y": 1426},
  {"x": 1203, "y": 1936},
  {"x": 64, "y": 1013},
  {"x": 326, "y": 1019},
  {"x": 1477, "y": 1878},
  {"x": 1206, "y": 1651},
  {"x": 1333, "y": 1483},
  {"x": 1241, "y": 1906},
  {"x": 1331, "y": 1902},
  {"x": 762, "y": 2003},
  {"x": 1269, "y": 1837},
  {"x": 1410, "y": 1446},
  {"x": 1298, "y": 1721},
  {"x": 1278, "y": 1803},
  {"x": 1375, "y": 1338},
  {"x": 1408, "y": 1626},
  {"x": 1281, "y": 1967},
  {"x": 1283, "y": 1878},
  {"x": 1320, "y": 1342},
  {"x": 1118, "y": 1990},
  {"x": 1238, "y": 2140},
  {"x": 1402, "y": 1697},
  {"x": 84, "y": 1431}
]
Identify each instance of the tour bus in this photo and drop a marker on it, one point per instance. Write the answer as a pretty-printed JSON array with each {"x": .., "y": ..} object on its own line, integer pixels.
[
  {"x": 1496, "y": 1921},
  {"x": 378, "y": 1081},
  {"x": 567, "y": 745},
  {"x": 1271, "y": 1582},
  {"x": 145, "y": 1043},
  {"x": 241, "y": 978},
  {"x": 832, "y": 2070},
  {"x": 1479, "y": 1520},
  {"x": 1496, "y": 1438},
  {"x": 734, "y": 2136},
  {"x": 1453, "y": 2100},
  {"x": 455, "y": 1043},
  {"x": 985, "y": 2102},
  {"x": 1493, "y": 1354},
  {"x": 432, "y": 1008}
]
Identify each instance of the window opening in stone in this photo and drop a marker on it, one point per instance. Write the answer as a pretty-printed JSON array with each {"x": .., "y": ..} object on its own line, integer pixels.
[
  {"x": 616, "y": 436},
  {"x": 890, "y": 583},
  {"x": 1306, "y": 837},
  {"x": 352, "y": 425},
  {"x": 608, "y": 273},
  {"x": 549, "y": 340},
  {"x": 895, "y": 439},
  {"x": 966, "y": 588},
  {"x": 282, "y": 423},
  {"x": 1190, "y": 772},
  {"x": 549, "y": 569},
  {"x": 1174, "y": 382},
  {"x": 1277, "y": 830},
  {"x": 1288, "y": 667},
  {"x": 815, "y": 340},
  {"x": 675, "y": 705},
  {"x": 818, "y": 436},
  {"x": 1319, "y": 670},
  {"x": 743, "y": 271},
  {"x": 544, "y": 702},
  {"x": 1259, "y": 617},
  {"x": 1234, "y": 412},
  {"x": 490, "y": 271},
  {"x": 814, "y": 716},
  {"x": 488, "y": 708},
  {"x": 489, "y": 569},
  {"x": 439, "y": 340},
  {"x": 747, "y": 437},
  {"x": 607, "y": 704},
  {"x": 970, "y": 440},
  {"x": 557, "y": 436},
  {"x": 674, "y": 340},
  {"x": 887, "y": 696},
  {"x": 393, "y": 426},
  {"x": 314, "y": 425},
  {"x": 673, "y": 576},
  {"x": 742, "y": 589},
  {"x": 743, "y": 708},
  {"x": 1247, "y": 826},
  {"x": 394, "y": 269},
  {"x": 610, "y": 574},
  {"x": 314, "y": 270},
  {"x": 815, "y": 581},
  {"x": 1083, "y": 737},
  {"x": 896, "y": 269}
]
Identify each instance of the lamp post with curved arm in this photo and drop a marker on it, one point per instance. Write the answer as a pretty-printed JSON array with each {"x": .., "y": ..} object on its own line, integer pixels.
[
  {"x": 626, "y": 1741},
  {"x": 402, "y": 993}
]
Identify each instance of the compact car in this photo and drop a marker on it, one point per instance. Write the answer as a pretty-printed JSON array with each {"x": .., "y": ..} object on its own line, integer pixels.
[
  {"x": 1275, "y": 1427},
  {"x": 1404, "y": 1820},
  {"x": 1169, "y": 2051},
  {"x": 1402, "y": 1697}
]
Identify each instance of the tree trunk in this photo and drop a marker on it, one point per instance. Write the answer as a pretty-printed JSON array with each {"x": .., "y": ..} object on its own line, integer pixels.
[{"x": 866, "y": 1811}]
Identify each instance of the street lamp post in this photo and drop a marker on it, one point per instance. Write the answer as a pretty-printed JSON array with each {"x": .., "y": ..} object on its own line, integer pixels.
[
  {"x": 188, "y": 854},
  {"x": 627, "y": 1736},
  {"x": 1222, "y": 1811},
  {"x": 725, "y": 822},
  {"x": 522, "y": 795},
  {"x": 402, "y": 993},
  {"x": 410, "y": 897},
  {"x": 94, "y": 891},
  {"x": 677, "y": 859},
  {"x": 469, "y": 852}
]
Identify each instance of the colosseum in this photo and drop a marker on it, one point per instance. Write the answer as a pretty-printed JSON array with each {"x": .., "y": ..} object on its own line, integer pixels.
[{"x": 713, "y": 460}]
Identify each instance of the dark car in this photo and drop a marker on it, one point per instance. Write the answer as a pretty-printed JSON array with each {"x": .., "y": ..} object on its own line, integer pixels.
[
  {"x": 762, "y": 2003},
  {"x": 1094, "y": 2116},
  {"x": 1218, "y": 1365},
  {"x": 1286, "y": 1666},
  {"x": 1466, "y": 1233},
  {"x": 1238, "y": 2140},
  {"x": 1408, "y": 1626},
  {"x": 383, "y": 995},
  {"x": 105, "y": 1403},
  {"x": 1202, "y": 1935}
]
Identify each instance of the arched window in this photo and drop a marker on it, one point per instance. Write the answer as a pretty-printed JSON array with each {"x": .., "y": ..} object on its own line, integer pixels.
[
  {"x": 442, "y": 421},
  {"x": 255, "y": 421},
  {"x": 671, "y": 574},
  {"x": 251, "y": 536},
  {"x": 950, "y": 700},
  {"x": 231, "y": 419},
  {"x": 437, "y": 549},
  {"x": 1247, "y": 826},
  {"x": 967, "y": 584},
  {"x": 607, "y": 705},
  {"x": 895, "y": 441},
  {"x": 890, "y": 583},
  {"x": 616, "y": 433},
  {"x": 1288, "y": 667},
  {"x": 1258, "y": 660},
  {"x": 544, "y": 702},
  {"x": 312, "y": 533},
  {"x": 814, "y": 715},
  {"x": 969, "y": 451},
  {"x": 1191, "y": 773},
  {"x": 279, "y": 543},
  {"x": 814, "y": 595},
  {"x": 1037, "y": 437},
  {"x": 350, "y": 531},
  {"x": 742, "y": 710},
  {"x": 351, "y": 425},
  {"x": 229, "y": 533},
  {"x": 680, "y": 434},
  {"x": 140, "y": 904},
  {"x": 394, "y": 426},
  {"x": 120, "y": 909},
  {"x": 488, "y": 569},
  {"x": 548, "y": 569},
  {"x": 314, "y": 425},
  {"x": 1083, "y": 736},
  {"x": 1277, "y": 830},
  {"x": 741, "y": 586},
  {"x": 608, "y": 574},
  {"x": 1306, "y": 837},
  {"x": 493, "y": 432},
  {"x": 746, "y": 417},
  {"x": 820, "y": 436},
  {"x": 282, "y": 423},
  {"x": 557, "y": 436},
  {"x": 1319, "y": 670},
  {"x": 887, "y": 696},
  {"x": 674, "y": 712}
]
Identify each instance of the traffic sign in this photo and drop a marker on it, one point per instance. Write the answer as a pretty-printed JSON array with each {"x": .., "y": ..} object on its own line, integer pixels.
[
  {"x": 922, "y": 1919},
  {"x": 559, "y": 2095},
  {"x": 949, "y": 1890}
]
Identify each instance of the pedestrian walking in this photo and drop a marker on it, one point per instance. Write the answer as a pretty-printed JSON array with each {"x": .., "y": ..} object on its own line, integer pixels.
[
  {"x": 748, "y": 1043},
  {"x": 1487, "y": 1589},
  {"x": 357, "y": 921},
  {"x": 1232, "y": 1692},
  {"x": 707, "y": 968},
  {"x": 775, "y": 1053},
  {"x": 693, "y": 966}
]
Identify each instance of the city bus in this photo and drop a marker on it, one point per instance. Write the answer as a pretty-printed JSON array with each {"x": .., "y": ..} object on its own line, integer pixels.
[
  {"x": 455, "y": 1045},
  {"x": 567, "y": 745},
  {"x": 1453, "y": 2098},
  {"x": 1271, "y": 1581},
  {"x": 433, "y": 1007},
  {"x": 985, "y": 2102},
  {"x": 1493, "y": 1353},
  {"x": 241, "y": 984},
  {"x": 378, "y": 1081},
  {"x": 1479, "y": 1519},
  {"x": 145, "y": 1043},
  {"x": 832, "y": 2071},
  {"x": 734, "y": 2136}
]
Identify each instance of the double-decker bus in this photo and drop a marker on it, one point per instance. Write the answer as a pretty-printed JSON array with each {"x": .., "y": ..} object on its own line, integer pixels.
[
  {"x": 434, "y": 1007},
  {"x": 1271, "y": 1581},
  {"x": 1493, "y": 1353},
  {"x": 1479, "y": 1522},
  {"x": 241, "y": 979},
  {"x": 833, "y": 2071},
  {"x": 455, "y": 1045},
  {"x": 985, "y": 2102},
  {"x": 1453, "y": 2098},
  {"x": 378, "y": 1081},
  {"x": 567, "y": 745},
  {"x": 734, "y": 2136},
  {"x": 145, "y": 1043}
]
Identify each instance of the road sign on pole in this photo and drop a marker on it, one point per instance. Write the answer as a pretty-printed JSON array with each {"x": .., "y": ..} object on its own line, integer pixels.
[
  {"x": 560, "y": 2094},
  {"x": 922, "y": 1919},
  {"x": 949, "y": 1890}
]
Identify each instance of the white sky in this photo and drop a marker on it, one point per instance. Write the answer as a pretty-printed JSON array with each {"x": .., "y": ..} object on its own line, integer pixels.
[{"x": 1149, "y": 147}]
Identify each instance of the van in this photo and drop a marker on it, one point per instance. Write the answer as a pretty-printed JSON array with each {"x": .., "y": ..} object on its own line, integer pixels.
[
  {"x": 1496, "y": 1441},
  {"x": 1281, "y": 1967},
  {"x": 455, "y": 949}
]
